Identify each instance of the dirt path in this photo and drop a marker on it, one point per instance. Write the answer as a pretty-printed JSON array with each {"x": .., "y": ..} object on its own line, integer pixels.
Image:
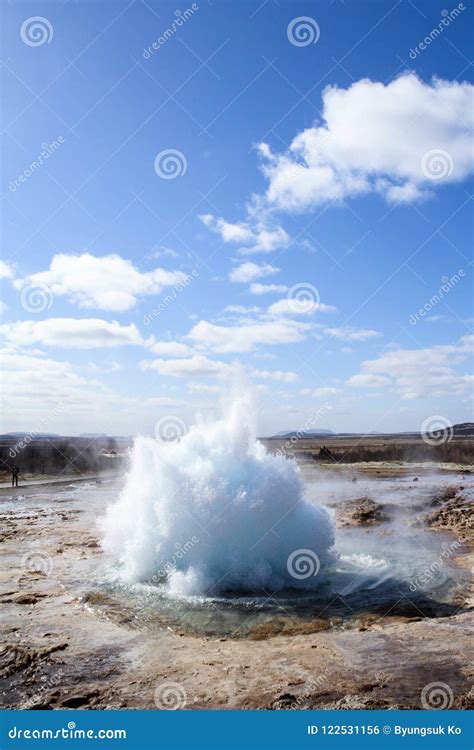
[{"x": 47, "y": 480}]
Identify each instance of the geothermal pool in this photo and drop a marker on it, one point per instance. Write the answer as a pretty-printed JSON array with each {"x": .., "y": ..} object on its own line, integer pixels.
[
  {"x": 398, "y": 567},
  {"x": 395, "y": 568},
  {"x": 213, "y": 535}
]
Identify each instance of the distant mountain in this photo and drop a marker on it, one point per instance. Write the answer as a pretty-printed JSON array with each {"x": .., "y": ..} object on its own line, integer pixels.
[
  {"x": 92, "y": 435},
  {"x": 304, "y": 433}
]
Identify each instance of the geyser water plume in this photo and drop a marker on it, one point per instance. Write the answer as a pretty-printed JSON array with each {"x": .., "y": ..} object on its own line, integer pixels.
[{"x": 215, "y": 512}]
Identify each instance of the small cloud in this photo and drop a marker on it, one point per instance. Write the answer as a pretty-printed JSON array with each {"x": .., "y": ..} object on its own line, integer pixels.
[
  {"x": 162, "y": 252},
  {"x": 367, "y": 381},
  {"x": 241, "y": 309},
  {"x": 247, "y": 272},
  {"x": 287, "y": 306},
  {"x": 253, "y": 237},
  {"x": 6, "y": 270},
  {"x": 352, "y": 334},
  {"x": 267, "y": 288},
  {"x": 170, "y": 349}
]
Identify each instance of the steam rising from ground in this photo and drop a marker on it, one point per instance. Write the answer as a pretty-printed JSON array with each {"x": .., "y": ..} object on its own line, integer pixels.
[{"x": 215, "y": 512}]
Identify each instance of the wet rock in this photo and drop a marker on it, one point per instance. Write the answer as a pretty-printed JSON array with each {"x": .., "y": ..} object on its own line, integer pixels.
[
  {"x": 466, "y": 702},
  {"x": 456, "y": 515},
  {"x": 284, "y": 702},
  {"x": 17, "y": 657},
  {"x": 25, "y": 598},
  {"x": 360, "y": 512},
  {"x": 444, "y": 496},
  {"x": 75, "y": 701},
  {"x": 356, "y": 702},
  {"x": 286, "y": 626}
]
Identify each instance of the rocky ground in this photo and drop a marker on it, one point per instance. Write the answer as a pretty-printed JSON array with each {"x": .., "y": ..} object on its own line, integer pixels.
[
  {"x": 453, "y": 513},
  {"x": 60, "y": 652},
  {"x": 361, "y": 511}
]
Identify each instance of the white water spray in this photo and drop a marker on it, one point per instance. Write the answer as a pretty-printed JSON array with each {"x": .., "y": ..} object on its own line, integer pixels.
[{"x": 215, "y": 512}]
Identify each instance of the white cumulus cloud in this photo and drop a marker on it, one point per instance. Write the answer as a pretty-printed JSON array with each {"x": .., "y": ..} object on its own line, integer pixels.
[
  {"x": 253, "y": 237},
  {"x": 170, "y": 349},
  {"x": 106, "y": 283},
  {"x": 400, "y": 139},
  {"x": 259, "y": 289},
  {"x": 194, "y": 367},
  {"x": 244, "y": 337},
  {"x": 247, "y": 272},
  {"x": 74, "y": 333},
  {"x": 287, "y": 306},
  {"x": 415, "y": 373}
]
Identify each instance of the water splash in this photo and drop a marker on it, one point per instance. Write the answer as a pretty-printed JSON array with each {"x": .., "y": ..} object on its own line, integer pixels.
[{"x": 214, "y": 512}]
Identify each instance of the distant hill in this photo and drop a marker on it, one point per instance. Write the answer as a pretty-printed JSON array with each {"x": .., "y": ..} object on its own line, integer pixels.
[
  {"x": 93, "y": 435},
  {"x": 36, "y": 435},
  {"x": 463, "y": 429},
  {"x": 304, "y": 433}
]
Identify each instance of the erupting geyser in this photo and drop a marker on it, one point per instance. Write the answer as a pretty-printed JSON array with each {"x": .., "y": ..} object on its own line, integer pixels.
[{"x": 215, "y": 512}]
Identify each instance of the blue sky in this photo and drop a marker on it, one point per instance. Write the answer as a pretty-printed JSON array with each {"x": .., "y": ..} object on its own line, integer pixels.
[{"x": 318, "y": 195}]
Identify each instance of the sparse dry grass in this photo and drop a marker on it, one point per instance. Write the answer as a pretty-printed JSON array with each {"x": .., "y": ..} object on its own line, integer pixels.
[{"x": 376, "y": 449}]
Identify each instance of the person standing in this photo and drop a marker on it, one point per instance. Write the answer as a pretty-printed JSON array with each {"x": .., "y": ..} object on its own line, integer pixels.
[{"x": 15, "y": 472}]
